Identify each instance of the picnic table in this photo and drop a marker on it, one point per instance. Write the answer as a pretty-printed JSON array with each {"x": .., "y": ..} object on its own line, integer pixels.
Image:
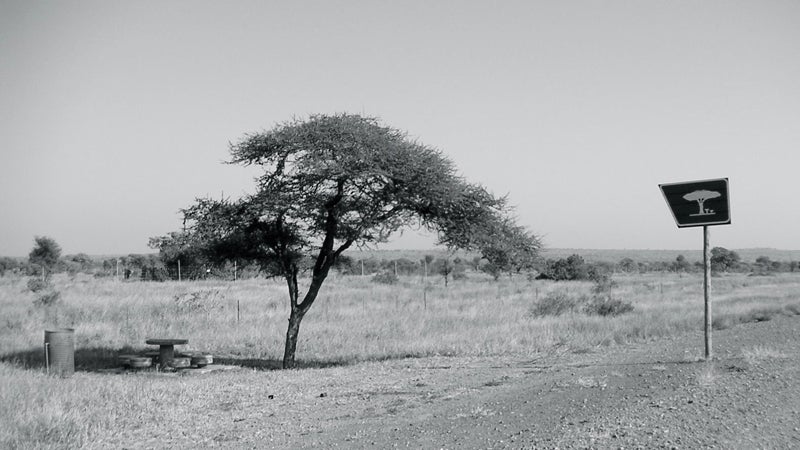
[{"x": 166, "y": 348}]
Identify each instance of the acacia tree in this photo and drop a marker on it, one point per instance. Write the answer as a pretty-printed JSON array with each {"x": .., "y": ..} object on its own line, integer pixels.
[
  {"x": 328, "y": 183},
  {"x": 181, "y": 255},
  {"x": 509, "y": 248},
  {"x": 45, "y": 254}
]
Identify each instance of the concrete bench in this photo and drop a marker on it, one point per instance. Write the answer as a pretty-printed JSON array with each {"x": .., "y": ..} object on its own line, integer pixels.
[{"x": 166, "y": 348}]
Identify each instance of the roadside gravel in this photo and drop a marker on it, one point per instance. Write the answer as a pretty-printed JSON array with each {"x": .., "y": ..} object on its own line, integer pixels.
[{"x": 654, "y": 395}]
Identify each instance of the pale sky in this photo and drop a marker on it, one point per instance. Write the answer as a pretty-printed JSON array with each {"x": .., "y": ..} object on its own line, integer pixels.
[{"x": 116, "y": 114}]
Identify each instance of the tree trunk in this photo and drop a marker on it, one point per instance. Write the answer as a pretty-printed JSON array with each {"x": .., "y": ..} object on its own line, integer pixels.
[
  {"x": 299, "y": 310},
  {"x": 291, "y": 338}
]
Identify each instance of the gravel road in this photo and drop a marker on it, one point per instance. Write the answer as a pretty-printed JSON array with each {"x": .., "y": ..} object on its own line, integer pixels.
[{"x": 654, "y": 395}]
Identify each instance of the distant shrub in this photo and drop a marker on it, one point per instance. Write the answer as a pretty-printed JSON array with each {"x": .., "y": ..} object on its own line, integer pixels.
[
  {"x": 38, "y": 285},
  {"x": 553, "y": 304},
  {"x": 155, "y": 273},
  {"x": 385, "y": 278},
  {"x": 605, "y": 305},
  {"x": 603, "y": 283},
  {"x": 723, "y": 259},
  {"x": 599, "y": 303},
  {"x": 459, "y": 275},
  {"x": 8, "y": 264},
  {"x": 47, "y": 298},
  {"x": 573, "y": 268},
  {"x": 46, "y": 293}
]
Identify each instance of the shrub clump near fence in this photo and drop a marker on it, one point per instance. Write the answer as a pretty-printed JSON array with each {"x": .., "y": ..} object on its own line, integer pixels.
[{"x": 600, "y": 302}]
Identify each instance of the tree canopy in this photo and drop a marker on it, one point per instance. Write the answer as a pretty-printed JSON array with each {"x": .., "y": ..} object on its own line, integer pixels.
[
  {"x": 333, "y": 181},
  {"x": 45, "y": 254},
  {"x": 723, "y": 259}
]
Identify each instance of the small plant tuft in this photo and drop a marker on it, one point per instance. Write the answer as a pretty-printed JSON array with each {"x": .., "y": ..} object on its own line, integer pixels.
[
  {"x": 707, "y": 375},
  {"x": 385, "y": 278},
  {"x": 756, "y": 354}
]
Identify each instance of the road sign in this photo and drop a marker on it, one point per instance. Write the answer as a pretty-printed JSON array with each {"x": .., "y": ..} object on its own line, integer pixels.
[{"x": 698, "y": 203}]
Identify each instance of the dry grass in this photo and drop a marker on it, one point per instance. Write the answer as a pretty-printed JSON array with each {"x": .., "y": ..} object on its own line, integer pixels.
[
  {"x": 707, "y": 375},
  {"x": 354, "y": 320},
  {"x": 757, "y": 354}
]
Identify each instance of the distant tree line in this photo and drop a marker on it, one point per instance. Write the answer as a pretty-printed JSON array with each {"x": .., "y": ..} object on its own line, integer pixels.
[{"x": 163, "y": 266}]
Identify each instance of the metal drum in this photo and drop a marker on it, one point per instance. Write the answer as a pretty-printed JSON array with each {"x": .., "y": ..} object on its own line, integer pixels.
[{"x": 59, "y": 350}]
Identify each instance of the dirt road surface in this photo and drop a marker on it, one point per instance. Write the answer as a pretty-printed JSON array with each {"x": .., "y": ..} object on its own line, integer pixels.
[{"x": 654, "y": 395}]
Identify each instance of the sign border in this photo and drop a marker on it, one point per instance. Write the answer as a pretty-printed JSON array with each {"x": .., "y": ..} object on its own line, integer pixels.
[{"x": 699, "y": 224}]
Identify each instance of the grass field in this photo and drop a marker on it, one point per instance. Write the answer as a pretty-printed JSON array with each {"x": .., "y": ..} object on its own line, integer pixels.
[{"x": 354, "y": 320}]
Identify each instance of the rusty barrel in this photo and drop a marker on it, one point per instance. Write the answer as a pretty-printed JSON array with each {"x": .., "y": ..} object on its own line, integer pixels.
[{"x": 59, "y": 350}]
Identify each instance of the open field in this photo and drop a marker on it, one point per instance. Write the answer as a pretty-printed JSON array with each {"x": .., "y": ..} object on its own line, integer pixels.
[{"x": 355, "y": 335}]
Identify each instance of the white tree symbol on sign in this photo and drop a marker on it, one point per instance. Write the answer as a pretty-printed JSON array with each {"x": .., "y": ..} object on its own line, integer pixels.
[{"x": 700, "y": 197}]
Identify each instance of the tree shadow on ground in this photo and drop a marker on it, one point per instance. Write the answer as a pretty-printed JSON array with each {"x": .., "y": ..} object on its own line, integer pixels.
[
  {"x": 277, "y": 364},
  {"x": 103, "y": 358},
  {"x": 86, "y": 359}
]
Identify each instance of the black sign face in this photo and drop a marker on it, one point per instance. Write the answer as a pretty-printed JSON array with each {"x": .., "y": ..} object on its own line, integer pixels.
[{"x": 698, "y": 203}]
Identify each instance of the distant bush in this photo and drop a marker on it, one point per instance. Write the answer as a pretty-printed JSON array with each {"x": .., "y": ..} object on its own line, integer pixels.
[
  {"x": 553, "y": 304},
  {"x": 573, "y": 268},
  {"x": 37, "y": 285},
  {"x": 9, "y": 264},
  {"x": 46, "y": 293},
  {"x": 385, "y": 278},
  {"x": 602, "y": 282},
  {"x": 723, "y": 260},
  {"x": 459, "y": 275},
  {"x": 47, "y": 298},
  {"x": 605, "y": 305},
  {"x": 600, "y": 302}
]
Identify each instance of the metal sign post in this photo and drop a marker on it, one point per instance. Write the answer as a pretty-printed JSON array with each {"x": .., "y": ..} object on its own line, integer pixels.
[
  {"x": 706, "y": 290},
  {"x": 700, "y": 203}
]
